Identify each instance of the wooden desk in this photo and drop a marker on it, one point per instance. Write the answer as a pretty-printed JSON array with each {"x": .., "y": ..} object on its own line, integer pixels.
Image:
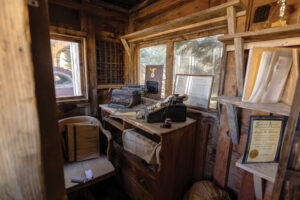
[{"x": 142, "y": 181}]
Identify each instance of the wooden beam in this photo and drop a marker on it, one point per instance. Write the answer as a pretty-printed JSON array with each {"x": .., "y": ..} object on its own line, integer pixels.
[
  {"x": 46, "y": 102},
  {"x": 125, "y": 44},
  {"x": 239, "y": 64},
  {"x": 142, "y": 5},
  {"x": 231, "y": 19},
  {"x": 156, "y": 8},
  {"x": 64, "y": 31},
  {"x": 169, "y": 68},
  {"x": 233, "y": 123},
  {"x": 215, "y": 14},
  {"x": 111, "y": 6},
  {"x": 20, "y": 140},
  {"x": 92, "y": 9},
  {"x": 92, "y": 66}
]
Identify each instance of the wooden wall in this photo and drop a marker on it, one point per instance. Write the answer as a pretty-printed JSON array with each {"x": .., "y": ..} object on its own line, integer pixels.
[
  {"x": 221, "y": 154},
  {"x": 93, "y": 22}
]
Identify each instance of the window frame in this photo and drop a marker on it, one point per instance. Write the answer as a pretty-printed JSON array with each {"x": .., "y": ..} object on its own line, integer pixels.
[{"x": 82, "y": 65}]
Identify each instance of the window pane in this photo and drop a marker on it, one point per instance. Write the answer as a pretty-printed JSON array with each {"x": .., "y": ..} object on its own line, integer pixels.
[
  {"x": 66, "y": 69},
  {"x": 199, "y": 56},
  {"x": 155, "y": 55}
]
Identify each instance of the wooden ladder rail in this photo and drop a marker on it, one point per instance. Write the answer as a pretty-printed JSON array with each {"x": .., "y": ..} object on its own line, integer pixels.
[{"x": 288, "y": 176}]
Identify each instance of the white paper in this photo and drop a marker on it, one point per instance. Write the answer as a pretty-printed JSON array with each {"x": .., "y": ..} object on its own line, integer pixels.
[{"x": 88, "y": 174}]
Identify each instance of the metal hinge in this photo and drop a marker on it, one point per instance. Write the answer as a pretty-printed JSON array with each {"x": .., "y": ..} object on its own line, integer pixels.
[{"x": 34, "y": 3}]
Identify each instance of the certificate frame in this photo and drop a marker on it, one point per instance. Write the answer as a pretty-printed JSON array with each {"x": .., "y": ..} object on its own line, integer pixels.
[
  {"x": 248, "y": 155},
  {"x": 210, "y": 78}
]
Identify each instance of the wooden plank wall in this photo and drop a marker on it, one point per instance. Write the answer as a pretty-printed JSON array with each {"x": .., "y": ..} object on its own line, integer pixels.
[
  {"x": 220, "y": 149},
  {"x": 67, "y": 18}
]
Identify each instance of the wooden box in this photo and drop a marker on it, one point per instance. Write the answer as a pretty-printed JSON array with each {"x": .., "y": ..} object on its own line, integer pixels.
[{"x": 82, "y": 141}]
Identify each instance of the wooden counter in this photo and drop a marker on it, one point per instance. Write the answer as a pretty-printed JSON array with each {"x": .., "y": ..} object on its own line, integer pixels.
[{"x": 142, "y": 181}]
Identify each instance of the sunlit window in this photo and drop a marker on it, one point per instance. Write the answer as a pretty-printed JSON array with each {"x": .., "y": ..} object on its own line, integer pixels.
[
  {"x": 199, "y": 56},
  {"x": 67, "y": 68}
]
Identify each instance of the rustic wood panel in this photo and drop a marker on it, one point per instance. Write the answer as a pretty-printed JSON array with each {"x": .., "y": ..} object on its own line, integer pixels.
[
  {"x": 46, "y": 102},
  {"x": 20, "y": 149}
]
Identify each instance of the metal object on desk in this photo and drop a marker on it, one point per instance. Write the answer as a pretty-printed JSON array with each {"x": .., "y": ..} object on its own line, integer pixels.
[
  {"x": 172, "y": 107},
  {"x": 127, "y": 96}
]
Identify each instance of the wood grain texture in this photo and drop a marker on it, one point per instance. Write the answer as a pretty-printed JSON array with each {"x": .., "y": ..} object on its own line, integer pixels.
[
  {"x": 46, "y": 101},
  {"x": 239, "y": 64},
  {"x": 169, "y": 69},
  {"x": 247, "y": 188},
  {"x": 231, "y": 20},
  {"x": 20, "y": 149},
  {"x": 233, "y": 123}
]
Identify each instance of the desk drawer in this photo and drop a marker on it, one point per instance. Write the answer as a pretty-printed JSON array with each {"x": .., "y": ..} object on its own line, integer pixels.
[{"x": 139, "y": 182}]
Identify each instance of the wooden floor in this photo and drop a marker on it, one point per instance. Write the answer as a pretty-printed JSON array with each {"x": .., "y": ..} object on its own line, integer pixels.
[{"x": 105, "y": 190}]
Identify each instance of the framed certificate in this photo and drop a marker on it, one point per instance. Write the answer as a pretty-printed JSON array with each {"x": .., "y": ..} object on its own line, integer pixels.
[
  {"x": 264, "y": 139},
  {"x": 196, "y": 87}
]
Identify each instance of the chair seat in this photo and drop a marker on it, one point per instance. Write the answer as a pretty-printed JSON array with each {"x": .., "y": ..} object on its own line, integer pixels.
[{"x": 101, "y": 167}]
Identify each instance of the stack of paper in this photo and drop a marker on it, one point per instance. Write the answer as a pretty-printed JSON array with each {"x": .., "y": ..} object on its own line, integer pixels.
[{"x": 267, "y": 73}]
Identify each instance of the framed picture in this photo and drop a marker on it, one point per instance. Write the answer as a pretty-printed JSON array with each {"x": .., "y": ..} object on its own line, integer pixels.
[
  {"x": 197, "y": 87},
  {"x": 153, "y": 81},
  {"x": 264, "y": 139}
]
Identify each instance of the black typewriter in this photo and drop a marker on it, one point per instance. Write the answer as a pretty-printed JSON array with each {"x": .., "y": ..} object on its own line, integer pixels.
[{"x": 173, "y": 107}]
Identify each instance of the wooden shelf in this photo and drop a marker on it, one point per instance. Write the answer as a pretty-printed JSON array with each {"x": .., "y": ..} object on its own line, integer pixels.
[
  {"x": 276, "y": 108},
  {"x": 214, "y": 16},
  {"x": 263, "y": 35},
  {"x": 266, "y": 171}
]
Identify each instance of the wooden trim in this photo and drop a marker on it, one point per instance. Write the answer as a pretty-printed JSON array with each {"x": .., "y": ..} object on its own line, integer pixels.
[
  {"x": 111, "y": 6},
  {"x": 64, "y": 31},
  {"x": 187, "y": 22},
  {"x": 109, "y": 86},
  {"x": 92, "y": 9}
]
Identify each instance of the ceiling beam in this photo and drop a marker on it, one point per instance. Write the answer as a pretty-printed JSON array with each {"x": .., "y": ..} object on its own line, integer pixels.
[
  {"x": 92, "y": 9},
  {"x": 141, "y": 6},
  {"x": 111, "y": 6}
]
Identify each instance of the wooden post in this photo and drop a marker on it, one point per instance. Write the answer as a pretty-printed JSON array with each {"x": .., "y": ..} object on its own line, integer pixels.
[
  {"x": 169, "y": 69},
  {"x": 231, "y": 20},
  {"x": 258, "y": 187},
  {"x": 92, "y": 66},
  {"x": 46, "y": 102},
  {"x": 20, "y": 146},
  {"x": 239, "y": 64},
  {"x": 233, "y": 123}
]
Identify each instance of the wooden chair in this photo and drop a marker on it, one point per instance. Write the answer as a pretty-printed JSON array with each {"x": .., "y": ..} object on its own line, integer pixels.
[{"x": 101, "y": 167}]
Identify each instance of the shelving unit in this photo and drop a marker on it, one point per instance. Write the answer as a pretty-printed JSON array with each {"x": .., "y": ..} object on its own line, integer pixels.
[
  {"x": 276, "y": 108},
  {"x": 260, "y": 171}
]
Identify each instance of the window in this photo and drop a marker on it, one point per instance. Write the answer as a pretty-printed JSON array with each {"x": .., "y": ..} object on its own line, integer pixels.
[
  {"x": 199, "y": 56},
  {"x": 68, "y": 70},
  {"x": 110, "y": 65},
  {"x": 154, "y": 55}
]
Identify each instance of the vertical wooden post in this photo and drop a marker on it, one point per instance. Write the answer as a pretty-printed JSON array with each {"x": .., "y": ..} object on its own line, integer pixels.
[
  {"x": 169, "y": 68},
  {"x": 231, "y": 20},
  {"x": 92, "y": 66},
  {"x": 239, "y": 64},
  {"x": 46, "y": 102},
  {"x": 20, "y": 147},
  {"x": 233, "y": 123},
  {"x": 258, "y": 187}
]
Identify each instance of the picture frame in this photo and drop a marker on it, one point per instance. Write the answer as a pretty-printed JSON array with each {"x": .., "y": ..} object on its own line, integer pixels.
[
  {"x": 190, "y": 85},
  {"x": 264, "y": 140}
]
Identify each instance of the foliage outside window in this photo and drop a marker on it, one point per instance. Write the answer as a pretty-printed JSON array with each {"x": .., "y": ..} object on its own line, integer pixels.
[
  {"x": 199, "y": 56},
  {"x": 67, "y": 69},
  {"x": 154, "y": 55}
]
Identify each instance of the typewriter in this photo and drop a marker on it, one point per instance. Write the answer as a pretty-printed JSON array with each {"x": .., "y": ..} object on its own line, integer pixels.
[
  {"x": 126, "y": 96},
  {"x": 172, "y": 107}
]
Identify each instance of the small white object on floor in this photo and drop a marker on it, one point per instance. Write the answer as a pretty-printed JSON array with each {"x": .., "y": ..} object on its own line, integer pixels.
[{"x": 88, "y": 174}]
